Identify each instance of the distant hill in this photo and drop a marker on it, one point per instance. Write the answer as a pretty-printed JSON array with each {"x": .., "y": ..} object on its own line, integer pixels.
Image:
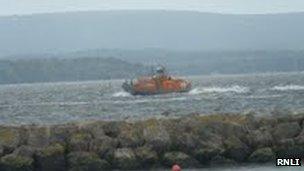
[
  {"x": 112, "y": 64},
  {"x": 207, "y": 62},
  {"x": 116, "y": 63},
  {"x": 77, "y": 69},
  {"x": 175, "y": 30}
]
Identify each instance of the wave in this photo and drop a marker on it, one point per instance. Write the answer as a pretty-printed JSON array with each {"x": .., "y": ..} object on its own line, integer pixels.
[
  {"x": 235, "y": 89},
  {"x": 121, "y": 94},
  {"x": 288, "y": 88},
  {"x": 153, "y": 100},
  {"x": 75, "y": 103},
  {"x": 261, "y": 97}
]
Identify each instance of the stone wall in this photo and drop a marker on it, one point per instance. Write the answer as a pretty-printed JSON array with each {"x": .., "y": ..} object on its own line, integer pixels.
[{"x": 191, "y": 141}]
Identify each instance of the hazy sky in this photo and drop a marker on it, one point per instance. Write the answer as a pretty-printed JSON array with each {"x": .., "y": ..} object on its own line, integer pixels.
[{"x": 12, "y": 7}]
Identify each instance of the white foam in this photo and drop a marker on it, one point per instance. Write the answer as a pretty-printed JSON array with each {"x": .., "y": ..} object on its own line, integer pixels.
[
  {"x": 121, "y": 94},
  {"x": 288, "y": 88},
  {"x": 235, "y": 89},
  {"x": 261, "y": 96},
  {"x": 196, "y": 91}
]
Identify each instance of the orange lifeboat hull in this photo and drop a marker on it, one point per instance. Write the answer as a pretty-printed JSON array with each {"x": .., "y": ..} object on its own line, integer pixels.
[{"x": 150, "y": 86}]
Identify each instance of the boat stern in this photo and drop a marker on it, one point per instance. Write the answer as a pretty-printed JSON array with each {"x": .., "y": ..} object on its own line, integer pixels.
[{"x": 128, "y": 87}]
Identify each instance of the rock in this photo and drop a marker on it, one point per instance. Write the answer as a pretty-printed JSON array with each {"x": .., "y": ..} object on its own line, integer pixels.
[
  {"x": 224, "y": 125},
  {"x": 13, "y": 162},
  {"x": 104, "y": 147},
  {"x": 221, "y": 161},
  {"x": 267, "y": 121},
  {"x": 86, "y": 161},
  {"x": 262, "y": 155},
  {"x": 214, "y": 133},
  {"x": 183, "y": 134},
  {"x": 288, "y": 148},
  {"x": 1, "y": 151},
  {"x": 146, "y": 156},
  {"x": 51, "y": 158},
  {"x": 184, "y": 141},
  {"x": 299, "y": 140},
  {"x": 156, "y": 136},
  {"x": 236, "y": 149},
  {"x": 286, "y": 130},
  {"x": 61, "y": 133},
  {"x": 80, "y": 141},
  {"x": 213, "y": 143},
  {"x": 216, "y": 139},
  {"x": 294, "y": 151},
  {"x": 130, "y": 135},
  {"x": 228, "y": 129},
  {"x": 95, "y": 128},
  {"x": 289, "y": 142},
  {"x": 291, "y": 118},
  {"x": 204, "y": 155},
  {"x": 124, "y": 158},
  {"x": 112, "y": 129},
  {"x": 10, "y": 138},
  {"x": 38, "y": 136},
  {"x": 259, "y": 138},
  {"x": 26, "y": 151},
  {"x": 207, "y": 132},
  {"x": 180, "y": 158}
]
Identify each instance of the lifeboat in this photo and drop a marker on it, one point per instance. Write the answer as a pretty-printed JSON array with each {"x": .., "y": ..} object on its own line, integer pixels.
[{"x": 159, "y": 83}]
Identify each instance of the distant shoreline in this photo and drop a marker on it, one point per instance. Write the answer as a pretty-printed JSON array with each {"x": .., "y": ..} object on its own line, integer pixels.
[{"x": 182, "y": 76}]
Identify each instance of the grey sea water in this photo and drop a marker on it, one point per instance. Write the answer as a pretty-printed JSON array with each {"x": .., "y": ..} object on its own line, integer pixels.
[{"x": 54, "y": 103}]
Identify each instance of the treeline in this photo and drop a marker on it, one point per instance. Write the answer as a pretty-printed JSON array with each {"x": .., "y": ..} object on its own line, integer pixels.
[
  {"x": 55, "y": 69},
  {"x": 239, "y": 62},
  {"x": 96, "y": 64},
  {"x": 209, "y": 62}
]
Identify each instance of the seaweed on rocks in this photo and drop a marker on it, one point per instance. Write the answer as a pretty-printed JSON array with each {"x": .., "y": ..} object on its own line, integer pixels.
[{"x": 190, "y": 141}]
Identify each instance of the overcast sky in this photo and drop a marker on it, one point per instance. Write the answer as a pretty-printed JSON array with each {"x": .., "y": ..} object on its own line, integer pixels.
[{"x": 12, "y": 7}]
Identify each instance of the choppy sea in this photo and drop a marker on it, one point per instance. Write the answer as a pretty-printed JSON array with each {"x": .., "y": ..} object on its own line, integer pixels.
[{"x": 54, "y": 103}]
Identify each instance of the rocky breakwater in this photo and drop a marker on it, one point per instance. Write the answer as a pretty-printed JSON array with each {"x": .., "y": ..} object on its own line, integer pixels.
[{"x": 190, "y": 141}]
